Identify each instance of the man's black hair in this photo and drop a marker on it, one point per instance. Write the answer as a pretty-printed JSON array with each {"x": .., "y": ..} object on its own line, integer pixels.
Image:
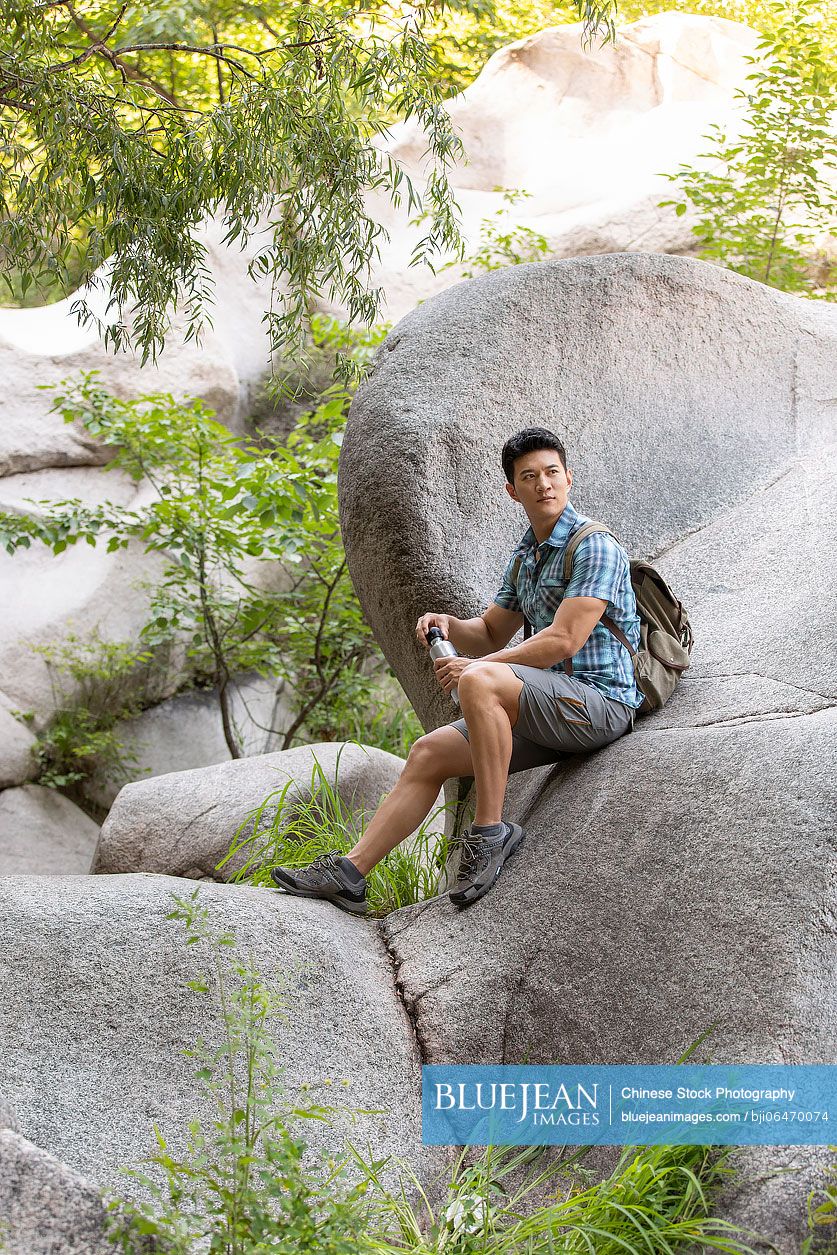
[{"x": 529, "y": 441}]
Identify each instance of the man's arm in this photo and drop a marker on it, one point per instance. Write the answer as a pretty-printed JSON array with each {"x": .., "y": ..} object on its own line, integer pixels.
[
  {"x": 566, "y": 635},
  {"x": 491, "y": 630},
  {"x": 476, "y": 637}
]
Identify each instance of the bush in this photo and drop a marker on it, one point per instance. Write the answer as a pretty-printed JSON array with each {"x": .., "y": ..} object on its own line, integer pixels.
[{"x": 112, "y": 681}]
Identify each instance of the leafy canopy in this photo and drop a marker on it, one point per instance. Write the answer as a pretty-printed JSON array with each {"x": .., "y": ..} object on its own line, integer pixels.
[
  {"x": 124, "y": 127},
  {"x": 769, "y": 194}
]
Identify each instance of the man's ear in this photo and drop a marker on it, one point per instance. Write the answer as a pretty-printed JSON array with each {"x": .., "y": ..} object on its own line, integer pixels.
[
  {"x": 510, "y": 490},
  {"x": 569, "y": 479}
]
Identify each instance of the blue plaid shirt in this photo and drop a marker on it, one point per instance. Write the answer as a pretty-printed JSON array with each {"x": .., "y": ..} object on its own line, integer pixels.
[{"x": 600, "y": 568}]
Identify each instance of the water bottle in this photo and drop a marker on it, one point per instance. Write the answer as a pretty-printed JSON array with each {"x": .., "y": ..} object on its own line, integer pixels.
[{"x": 440, "y": 648}]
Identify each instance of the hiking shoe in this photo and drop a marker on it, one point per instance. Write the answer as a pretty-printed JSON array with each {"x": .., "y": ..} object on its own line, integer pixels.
[
  {"x": 331, "y": 876},
  {"x": 482, "y": 861}
]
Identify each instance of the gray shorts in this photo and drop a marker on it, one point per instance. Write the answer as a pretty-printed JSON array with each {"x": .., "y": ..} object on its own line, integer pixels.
[{"x": 558, "y": 715}]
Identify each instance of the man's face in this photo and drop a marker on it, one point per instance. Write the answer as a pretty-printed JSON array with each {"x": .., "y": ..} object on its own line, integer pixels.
[{"x": 541, "y": 485}]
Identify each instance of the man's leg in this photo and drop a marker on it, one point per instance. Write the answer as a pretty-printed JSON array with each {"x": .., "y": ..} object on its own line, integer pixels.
[
  {"x": 489, "y": 693},
  {"x": 433, "y": 759},
  {"x": 489, "y": 703}
]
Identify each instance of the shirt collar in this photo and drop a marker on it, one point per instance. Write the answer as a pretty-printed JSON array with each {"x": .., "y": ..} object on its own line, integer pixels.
[{"x": 559, "y": 535}]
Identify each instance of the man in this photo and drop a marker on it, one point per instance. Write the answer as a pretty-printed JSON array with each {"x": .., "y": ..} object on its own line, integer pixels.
[{"x": 521, "y": 707}]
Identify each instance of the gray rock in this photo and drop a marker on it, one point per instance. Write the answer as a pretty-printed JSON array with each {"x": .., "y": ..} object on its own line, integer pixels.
[
  {"x": 45, "y": 345},
  {"x": 185, "y": 732},
  {"x": 626, "y": 929},
  {"x": 17, "y": 764},
  {"x": 758, "y": 582},
  {"x": 44, "y": 598},
  {"x": 45, "y": 1207},
  {"x": 95, "y": 1016},
  {"x": 43, "y": 833},
  {"x": 683, "y": 876},
  {"x": 8, "y": 1119},
  {"x": 183, "y": 823}
]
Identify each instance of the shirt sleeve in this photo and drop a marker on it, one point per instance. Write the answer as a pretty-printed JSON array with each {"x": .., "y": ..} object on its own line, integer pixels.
[
  {"x": 599, "y": 568},
  {"x": 506, "y": 597}
]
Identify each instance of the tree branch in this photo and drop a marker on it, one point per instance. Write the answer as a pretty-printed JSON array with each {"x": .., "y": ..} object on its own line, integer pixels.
[{"x": 98, "y": 41}]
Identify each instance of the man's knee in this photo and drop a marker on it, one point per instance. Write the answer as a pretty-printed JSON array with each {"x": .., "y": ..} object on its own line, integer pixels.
[
  {"x": 430, "y": 756},
  {"x": 480, "y": 677}
]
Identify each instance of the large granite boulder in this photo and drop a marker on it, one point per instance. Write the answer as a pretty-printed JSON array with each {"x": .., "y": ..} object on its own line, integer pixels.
[
  {"x": 95, "y": 1015},
  {"x": 687, "y": 398},
  {"x": 183, "y": 823},
  {"x": 43, "y": 833},
  {"x": 587, "y": 133},
  {"x": 684, "y": 876}
]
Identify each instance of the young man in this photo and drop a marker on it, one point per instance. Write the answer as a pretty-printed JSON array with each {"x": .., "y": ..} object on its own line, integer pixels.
[{"x": 569, "y": 688}]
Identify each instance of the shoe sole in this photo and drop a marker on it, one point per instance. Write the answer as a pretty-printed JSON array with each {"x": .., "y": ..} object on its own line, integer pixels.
[
  {"x": 344, "y": 904},
  {"x": 466, "y": 897}
]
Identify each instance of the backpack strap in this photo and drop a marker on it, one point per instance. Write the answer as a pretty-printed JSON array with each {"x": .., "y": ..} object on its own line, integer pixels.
[
  {"x": 527, "y": 626},
  {"x": 583, "y": 532}
]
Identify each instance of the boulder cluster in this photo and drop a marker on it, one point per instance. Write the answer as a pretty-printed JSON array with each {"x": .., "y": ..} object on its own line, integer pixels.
[{"x": 677, "y": 883}]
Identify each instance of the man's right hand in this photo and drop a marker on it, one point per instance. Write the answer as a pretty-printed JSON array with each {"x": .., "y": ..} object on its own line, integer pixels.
[{"x": 440, "y": 621}]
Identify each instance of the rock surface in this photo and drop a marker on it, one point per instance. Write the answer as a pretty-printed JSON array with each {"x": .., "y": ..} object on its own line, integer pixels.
[
  {"x": 183, "y": 823},
  {"x": 42, "y": 833},
  {"x": 95, "y": 1015},
  {"x": 185, "y": 732},
  {"x": 45, "y": 1207},
  {"x": 17, "y": 764},
  {"x": 44, "y": 597},
  {"x": 45, "y": 345},
  {"x": 691, "y": 864},
  {"x": 8, "y": 1119}
]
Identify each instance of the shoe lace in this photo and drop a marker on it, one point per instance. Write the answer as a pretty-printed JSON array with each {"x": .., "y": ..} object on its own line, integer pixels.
[
  {"x": 324, "y": 860},
  {"x": 475, "y": 850}
]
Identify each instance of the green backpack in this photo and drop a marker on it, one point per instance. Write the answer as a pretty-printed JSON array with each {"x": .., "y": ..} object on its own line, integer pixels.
[{"x": 665, "y": 635}]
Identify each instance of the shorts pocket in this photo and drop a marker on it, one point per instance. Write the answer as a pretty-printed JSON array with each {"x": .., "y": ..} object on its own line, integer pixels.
[{"x": 574, "y": 710}]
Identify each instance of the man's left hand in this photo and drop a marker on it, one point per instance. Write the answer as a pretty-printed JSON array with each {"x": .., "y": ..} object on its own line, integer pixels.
[{"x": 448, "y": 671}]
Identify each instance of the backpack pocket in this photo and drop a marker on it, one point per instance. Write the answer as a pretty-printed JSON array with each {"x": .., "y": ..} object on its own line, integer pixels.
[{"x": 658, "y": 666}]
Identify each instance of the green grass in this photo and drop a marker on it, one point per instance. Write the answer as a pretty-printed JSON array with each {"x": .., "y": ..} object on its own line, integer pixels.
[
  {"x": 657, "y": 1201},
  {"x": 291, "y": 827}
]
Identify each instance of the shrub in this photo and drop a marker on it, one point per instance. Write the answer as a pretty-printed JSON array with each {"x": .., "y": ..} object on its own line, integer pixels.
[
  {"x": 112, "y": 681},
  {"x": 769, "y": 193},
  {"x": 243, "y": 1185}
]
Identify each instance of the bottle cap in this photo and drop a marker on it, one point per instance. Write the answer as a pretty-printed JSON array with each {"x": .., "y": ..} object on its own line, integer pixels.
[{"x": 434, "y": 634}]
